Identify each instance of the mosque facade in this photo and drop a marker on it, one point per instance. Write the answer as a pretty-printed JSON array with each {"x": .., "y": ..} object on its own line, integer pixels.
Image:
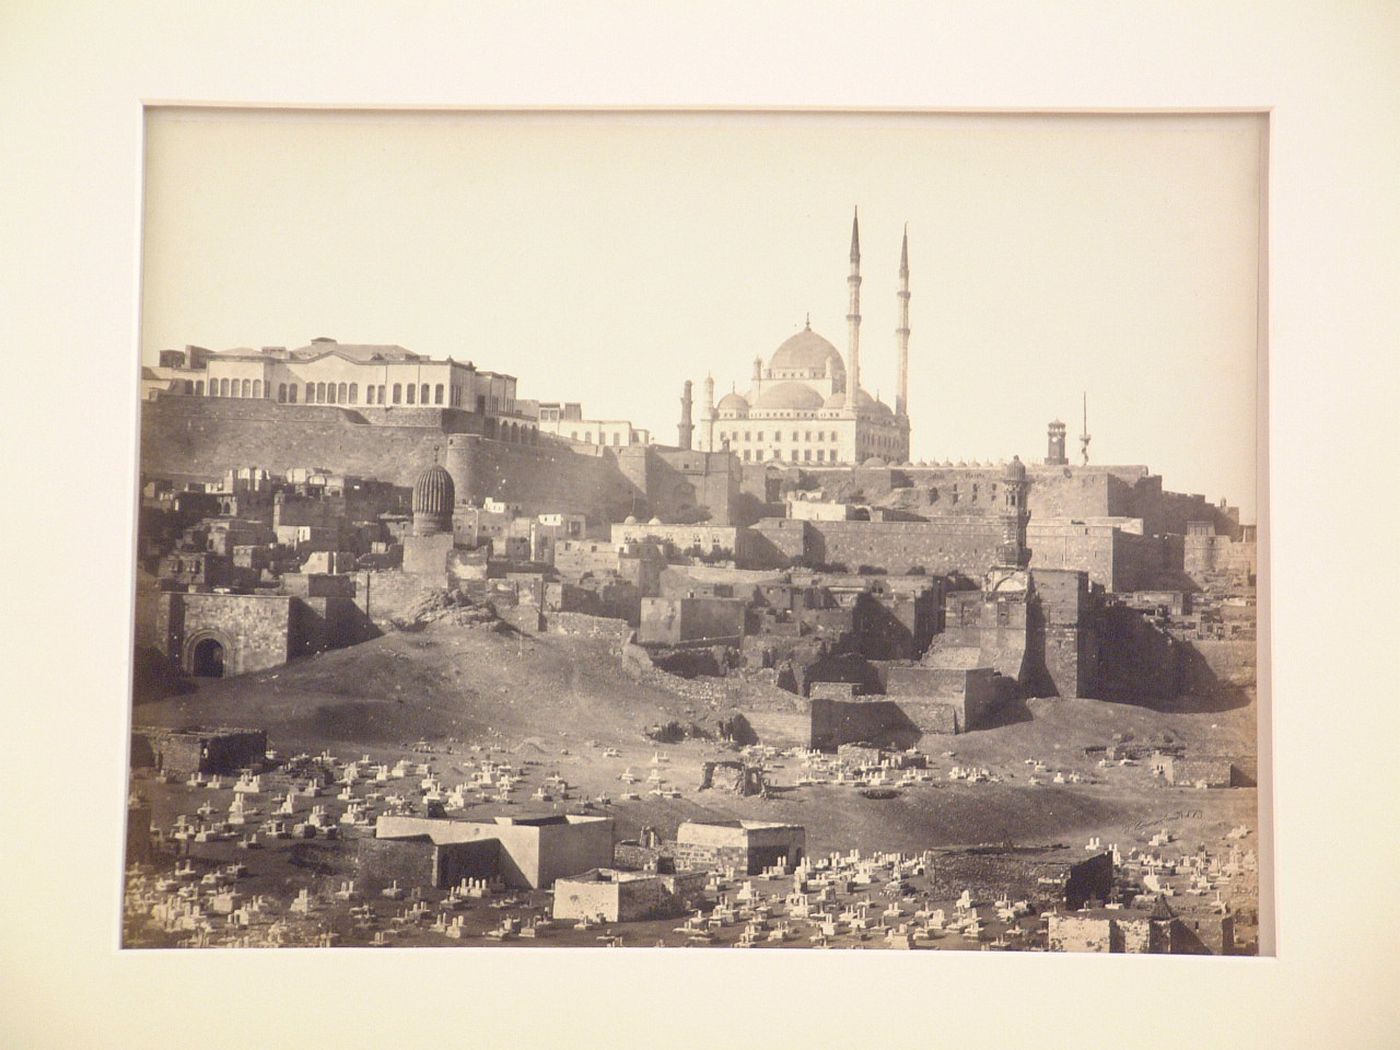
[{"x": 807, "y": 405}]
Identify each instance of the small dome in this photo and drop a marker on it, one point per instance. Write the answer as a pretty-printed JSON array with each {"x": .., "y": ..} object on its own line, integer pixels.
[
  {"x": 654, "y": 521},
  {"x": 789, "y": 396},
  {"x": 631, "y": 519},
  {"x": 732, "y": 402},
  {"x": 433, "y": 492},
  {"x": 874, "y": 461},
  {"x": 1015, "y": 470},
  {"x": 809, "y": 352}
]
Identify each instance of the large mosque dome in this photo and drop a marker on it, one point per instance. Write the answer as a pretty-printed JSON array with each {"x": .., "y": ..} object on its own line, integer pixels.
[
  {"x": 788, "y": 396},
  {"x": 807, "y": 352}
]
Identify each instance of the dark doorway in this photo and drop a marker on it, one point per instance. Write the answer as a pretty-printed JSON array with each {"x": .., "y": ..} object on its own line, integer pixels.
[{"x": 208, "y": 659}]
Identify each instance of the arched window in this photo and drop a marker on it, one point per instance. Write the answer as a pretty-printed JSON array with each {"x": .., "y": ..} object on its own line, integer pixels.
[
  {"x": 354, "y": 393},
  {"x": 291, "y": 393},
  {"x": 223, "y": 388},
  {"x": 320, "y": 393},
  {"x": 437, "y": 394},
  {"x": 199, "y": 387},
  {"x": 340, "y": 392},
  {"x": 257, "y": 388},
  {"x": 423, "y": 395},
  {"x": 412, "y": 393},
  {"x": 398, "y": 393},
  {"x": 281, "y": 392},
  {"x": 330, "y": 393},
  {"x": 247, "y": 388}
]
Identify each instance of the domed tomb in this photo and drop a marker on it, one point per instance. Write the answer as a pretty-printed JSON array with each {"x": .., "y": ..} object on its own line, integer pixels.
[{"x": 433, "y": 498}]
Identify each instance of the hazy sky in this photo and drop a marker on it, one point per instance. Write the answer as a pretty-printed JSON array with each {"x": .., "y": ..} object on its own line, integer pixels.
[{"x": 606, "y": 258}]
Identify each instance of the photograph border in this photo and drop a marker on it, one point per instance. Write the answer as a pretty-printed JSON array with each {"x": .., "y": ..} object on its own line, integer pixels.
[{"x": 1327, "y": 108}]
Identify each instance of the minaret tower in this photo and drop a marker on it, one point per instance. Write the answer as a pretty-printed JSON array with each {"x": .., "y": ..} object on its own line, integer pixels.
[
  {"x": 901, "y": 397},
  {"x": 1084, "y": 437},
  {"x": 686, "y": 430},
  {"x": 709, "y": 440},
  {"x": 1013, "y": 552},
  {"x": 853, "y": 316}
]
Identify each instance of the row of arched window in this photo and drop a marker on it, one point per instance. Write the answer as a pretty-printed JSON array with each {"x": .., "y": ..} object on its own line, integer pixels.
[
  {"x": 235, "y": 388},
  {"x": 503, "y": 430},
  {"x": 333, "y": 393}
]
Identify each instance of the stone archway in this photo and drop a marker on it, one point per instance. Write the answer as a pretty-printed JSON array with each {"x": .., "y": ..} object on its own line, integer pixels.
[{"x": 208, "y": 654}]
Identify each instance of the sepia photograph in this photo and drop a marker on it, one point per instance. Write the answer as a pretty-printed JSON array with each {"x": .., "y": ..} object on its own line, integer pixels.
[
  {"x": 891, "y": 487},
  {"x": 774, "y": 530}
]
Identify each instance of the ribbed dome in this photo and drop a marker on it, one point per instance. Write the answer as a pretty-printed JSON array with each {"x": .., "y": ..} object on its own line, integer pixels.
[
  {"x": 809, "y": 351},
  {"x": 1015, "y": 470},
  {"x": 433, "y": 492},
  {"x": 789, "y": 396}
]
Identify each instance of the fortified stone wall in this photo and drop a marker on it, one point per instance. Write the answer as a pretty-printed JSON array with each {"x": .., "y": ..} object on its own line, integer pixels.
[
  {"x": 541, "y": 478},
  {"x": 200, "y": 438},
  {"x": 194, "y": 437}
]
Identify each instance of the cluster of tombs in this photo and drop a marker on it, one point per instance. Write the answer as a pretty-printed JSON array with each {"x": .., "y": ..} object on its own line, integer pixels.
[{"x": 753, "y": 878}]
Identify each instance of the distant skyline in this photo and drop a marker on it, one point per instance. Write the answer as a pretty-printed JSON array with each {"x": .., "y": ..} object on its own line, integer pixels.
[{"x": 607, "y": 258}]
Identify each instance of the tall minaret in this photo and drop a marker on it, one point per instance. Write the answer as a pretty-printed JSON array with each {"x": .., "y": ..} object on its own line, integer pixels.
[
  {"x": 901, "y": 397},
  {"x": 1084, "y": 437},
  {"x": 686, "y": 430},
  {"x": 853, "y": 315},
  {"x": 709, "y": 413}
]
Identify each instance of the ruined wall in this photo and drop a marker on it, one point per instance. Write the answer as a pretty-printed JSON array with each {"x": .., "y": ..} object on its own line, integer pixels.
[
  {"x": 966, "y": 545},
  {"x": 1210, "y": 666},
  {"x": 383, "y": 596},
  {"x": 676, "y": 621},
  {"x": 1137, "y": 660},
  {"x": 1066, "y": 622}
]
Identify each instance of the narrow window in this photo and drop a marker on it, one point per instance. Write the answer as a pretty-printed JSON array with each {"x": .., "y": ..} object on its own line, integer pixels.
[
  {"x": 292, "y": 394},
  {"x": 412, "y": 393},
  {"x": 340, "y": 392},
  {"x": 310, "y": 393},
  {"x": 423, "y": 395},
  {"x": 257, "y": 388},
  {"x": 437, "y": 394},
  {"x": 354, "y": 393},
  {"x": 398, "y": 393}
]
